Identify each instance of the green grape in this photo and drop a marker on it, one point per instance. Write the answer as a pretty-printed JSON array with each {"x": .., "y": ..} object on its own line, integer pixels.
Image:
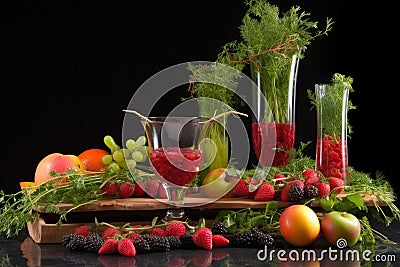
[
  {"x": 141, "y": 141},
  {"x": 130, "y": 144},
  {"x": 107, "y": 159},
  {"x": 118, "y": 155},
  {"x": 143, "y": 150},
  {"x": 110, "y": 143},
  {"x": 127, "y": 153},
  {"x": 114, "y": 167},
  {"x": 138, "y": 156},
  {"x": 122, "y": 164},
  {"x": 131, "y": 164}
]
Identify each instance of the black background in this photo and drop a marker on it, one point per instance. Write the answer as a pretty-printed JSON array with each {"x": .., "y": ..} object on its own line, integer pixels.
[{"x": 70, "y": 68}]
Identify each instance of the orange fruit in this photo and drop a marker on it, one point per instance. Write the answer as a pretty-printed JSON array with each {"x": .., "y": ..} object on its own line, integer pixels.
[
  {"x": 92, "y": 159},
  {"x": 299, "y": 225}
]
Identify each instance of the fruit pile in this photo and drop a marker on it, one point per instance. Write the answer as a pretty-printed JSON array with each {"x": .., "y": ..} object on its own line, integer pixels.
[
  {"x": 129, "y": 241},
  {"x": 289, "y": 189}
]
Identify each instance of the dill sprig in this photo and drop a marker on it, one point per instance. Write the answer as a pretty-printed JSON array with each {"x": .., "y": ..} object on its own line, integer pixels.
[
  {"x": 270, "y": 41},
  {"x": 329, "y": 104},
  {"x": 79, "y": 188}
]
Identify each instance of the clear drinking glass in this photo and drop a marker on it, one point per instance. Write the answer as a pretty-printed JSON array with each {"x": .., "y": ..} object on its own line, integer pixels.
[
  {"x": 332, "y": 129},
  {"x": 176, "y": 155}
]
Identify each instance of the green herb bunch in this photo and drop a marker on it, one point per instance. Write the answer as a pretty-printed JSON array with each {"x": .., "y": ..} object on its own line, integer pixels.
[
  {"x": 80, "y": 188},
  {"x": 271, "y": 42},
  {"x": 332, "y": 103},
  {"x": 214, "y": 87}
]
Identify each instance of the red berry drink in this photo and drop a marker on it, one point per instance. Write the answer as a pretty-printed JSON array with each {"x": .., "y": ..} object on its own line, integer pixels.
[
  {"x": 267, "y": 137},
  {"x": 332, "y": 159},
  {"x": 177, "y": 165}
]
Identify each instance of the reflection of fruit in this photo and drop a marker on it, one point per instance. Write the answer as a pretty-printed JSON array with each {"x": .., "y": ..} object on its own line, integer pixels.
[
  {"x": 58, "y": 163},
  {"x": 92, "y": 159},
  {"x": 336, "y": 225},
  {"x": 299, "y": 225},
  {"x": 215, "y": 183}
]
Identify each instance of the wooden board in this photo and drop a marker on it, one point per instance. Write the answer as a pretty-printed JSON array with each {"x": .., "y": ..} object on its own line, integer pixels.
[{"x": 198, "y": 203}]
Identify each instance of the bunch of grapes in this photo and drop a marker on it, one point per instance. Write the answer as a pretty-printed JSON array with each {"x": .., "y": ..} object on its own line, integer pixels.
[{"x": 125, "y": 157}]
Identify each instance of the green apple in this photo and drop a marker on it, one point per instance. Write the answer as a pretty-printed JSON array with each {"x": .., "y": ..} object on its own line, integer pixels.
[
  {"x": 217, "y": 183},
  {"x": 337, "y": 225}
]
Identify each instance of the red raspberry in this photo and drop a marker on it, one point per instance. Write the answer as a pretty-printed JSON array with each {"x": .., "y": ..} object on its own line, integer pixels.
[
  {"x": 265, "y": 192},
  {"x": 336, "y": 183}
]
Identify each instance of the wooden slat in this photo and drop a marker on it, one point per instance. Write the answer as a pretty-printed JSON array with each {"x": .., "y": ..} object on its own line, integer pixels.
[{"x": 199, "y": 203}]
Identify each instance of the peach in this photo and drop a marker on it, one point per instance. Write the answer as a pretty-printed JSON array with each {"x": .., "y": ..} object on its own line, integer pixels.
[{"x": 58, "y": 163}]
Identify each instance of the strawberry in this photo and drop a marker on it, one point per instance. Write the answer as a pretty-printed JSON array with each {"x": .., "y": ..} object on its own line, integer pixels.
[
  {"x": 203, "y": 238},
  {"x": 110, "y": 232},
  {"x": 336, "y": 183},
  {"x": 323, "y": 189},
  {"x": 126, "y": 247},
  {"x": 265, "y": 192},
  {"x": 219, "y": 241},
  {"x": 83, "y": 230},
  {"x": 152, "y": 187},
  {"x": 162, "y": 193},
  {"x": 176, "y": 229},
  {"x": 126, "y": 189},
  {"x": 109, "y": 189},
  {"x": 203, "y": 258},
  {"x": 110, "y": 246},
  {"x": 133, "y": 236},
  {"x": 139, "y": 189},
  {"x": 284, "y": 194},
  {"x": 177, "y": 262},
  {"x": 241, "y": 189},
  {"x": 279, "y": 178},
  {"x": 158, "y": 231}
]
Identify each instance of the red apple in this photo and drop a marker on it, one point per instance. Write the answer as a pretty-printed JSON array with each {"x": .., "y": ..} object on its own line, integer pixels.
[
  {"x": 58, "y": 163},
  {"x": 337, "y": 225},
  {"x": 217, "y": 183}
]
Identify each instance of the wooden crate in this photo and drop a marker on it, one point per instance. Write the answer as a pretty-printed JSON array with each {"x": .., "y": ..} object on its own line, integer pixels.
[{"x": 137, "y": 211}]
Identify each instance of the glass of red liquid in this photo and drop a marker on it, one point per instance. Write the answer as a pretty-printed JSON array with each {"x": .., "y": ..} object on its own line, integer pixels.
[{"x": 175, "y": 156}]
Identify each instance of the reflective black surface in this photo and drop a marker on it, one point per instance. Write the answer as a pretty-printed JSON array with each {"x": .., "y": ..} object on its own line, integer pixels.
[{"x": 21, "y": 250}]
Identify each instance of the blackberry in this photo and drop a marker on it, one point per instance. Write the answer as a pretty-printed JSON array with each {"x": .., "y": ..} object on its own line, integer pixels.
[
  {"x": 93, "y": 243},
  {"x": 262, "y": 239},
  {"x": 157, "y": 243},
  {"x": 66, "y": 239},
  {"x": 296, "y": 193},
  {"x": 77, "y": 243},
  {"x": 310, "y": 191},
  {"x": 242, "y": 239},
  {"x": 218, "y": 228},
  {"x": 187, "y": 241},
  {"x": 174, "y": 242},
  {"x": 141, "y": 245}
]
